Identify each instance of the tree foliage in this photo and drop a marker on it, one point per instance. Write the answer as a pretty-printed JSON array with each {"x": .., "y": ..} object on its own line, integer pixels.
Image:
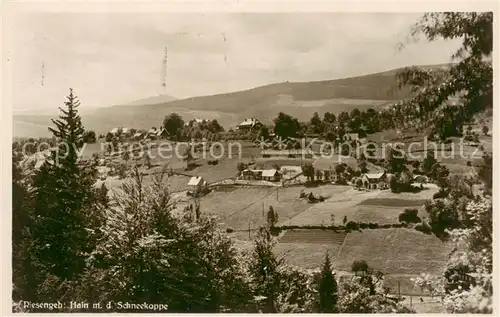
[
  {"x": 308, "y": 171},
  {"x": 470, "y": 79},
  {"x": 173, "y": 123},
  {"x": 327, "y": 288},
  {"x": 286, "y": 126},
  {"x": 64, "y": 215}
]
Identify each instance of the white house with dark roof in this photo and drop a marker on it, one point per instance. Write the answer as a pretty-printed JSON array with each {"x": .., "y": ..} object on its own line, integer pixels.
[
  {"x": 271, "y": 175},
  {"x": 196, "y": 183},
  {"x": 248, "y": 124},
  {"x": 373, "y": 180}
]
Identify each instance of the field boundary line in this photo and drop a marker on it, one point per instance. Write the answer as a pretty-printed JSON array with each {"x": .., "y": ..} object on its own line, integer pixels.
[{"x": 342, "y": 245}]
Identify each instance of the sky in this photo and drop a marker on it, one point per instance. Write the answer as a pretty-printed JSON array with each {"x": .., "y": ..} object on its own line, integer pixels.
[{"x": 117, "y": 58}]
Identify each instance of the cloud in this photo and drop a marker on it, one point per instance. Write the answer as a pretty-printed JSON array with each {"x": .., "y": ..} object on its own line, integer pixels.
[{"x": 115, "y": 58}]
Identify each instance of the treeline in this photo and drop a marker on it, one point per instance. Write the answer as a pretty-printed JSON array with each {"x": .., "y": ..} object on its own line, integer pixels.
[{"x": 73, "y": 241}]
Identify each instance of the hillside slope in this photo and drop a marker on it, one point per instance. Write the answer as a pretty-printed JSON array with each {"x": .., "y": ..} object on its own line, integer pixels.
[{"x": 300, "y": 99}]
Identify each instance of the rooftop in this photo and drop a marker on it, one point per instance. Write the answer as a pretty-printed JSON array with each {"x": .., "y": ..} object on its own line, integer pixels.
[
  {"x": 374, "y": 175},
  {"x": 269, "y": 173},
  {"x": 249, "y": 121},
  {"x": 196, "y": 180}
]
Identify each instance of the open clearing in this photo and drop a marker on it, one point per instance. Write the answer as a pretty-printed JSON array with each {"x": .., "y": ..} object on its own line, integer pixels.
[
  {"x": 270, "y": 162},
  {"x": 237, "y": 208},
  {"x": 362, "y": 206},
  {"x": 398, "y": 252},
  {"x": 395, "y": 251},
  {"x": 388, "y": 202}
]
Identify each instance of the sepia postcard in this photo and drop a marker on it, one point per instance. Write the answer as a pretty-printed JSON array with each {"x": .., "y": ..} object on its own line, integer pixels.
[{"x": 244, "y": 157}]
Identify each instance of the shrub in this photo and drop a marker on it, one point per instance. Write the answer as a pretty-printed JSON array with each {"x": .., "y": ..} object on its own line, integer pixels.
[
  {"x": 341, "y": 181},
  {"x": 229, "y": 230},
  {"x": 423, "y": 227},
  {"x": 469, "y": 138},
  {"x": 351, "y": 225},
  {"x": 89, "y": 137},
  {"x": 409, "y": 215},
  {"x": 213, "y": 162},
  {"x": 359, "y": 266},
  {"x": 122, "y": 171},
  {"x": 440, "y": 194}
]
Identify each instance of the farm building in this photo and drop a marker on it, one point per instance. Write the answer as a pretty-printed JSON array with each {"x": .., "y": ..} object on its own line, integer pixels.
[
  {"x": 374, "y": 180},
  {"x": 248, "y": 124},
  {"x": 120, "y": 130},
  {"x": 249, "y": 174},
  {"x": 154, "y": 133},
  {"x": 271, "y": 175},
  {"x": 196, "y": 184}
]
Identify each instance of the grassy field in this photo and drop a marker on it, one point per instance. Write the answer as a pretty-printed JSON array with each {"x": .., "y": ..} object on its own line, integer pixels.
[
  {"x": 383, "y": 207},
  {"x": 377, "y": 214},
  {"x": 394, "y": 251},
  {"x": 237, "y": 208},
  {"x": 175, "y": 183},
  {"x": 341, "y": 202},
  {"x": 399, "y": 253},
  {"x": 392, "y": 202},
  {"x": 270, "y": 162}
]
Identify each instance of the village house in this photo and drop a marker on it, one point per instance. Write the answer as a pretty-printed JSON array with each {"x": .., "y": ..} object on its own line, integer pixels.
[
  {"x": 196, "y": 184},
  {"x": 250, "y": 174},
  {"x": 120, "y": 130},
  {"x": 271, "y": 175},
  {"x": 374, "y": 180},
  {"x": 154, "y": 133},
  {"x": 248, "y": 124}
]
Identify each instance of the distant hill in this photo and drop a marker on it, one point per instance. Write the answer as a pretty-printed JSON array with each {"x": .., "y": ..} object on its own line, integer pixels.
[
  {"x": 299, "y": 99},
  {"x": 151, "y": 100}
]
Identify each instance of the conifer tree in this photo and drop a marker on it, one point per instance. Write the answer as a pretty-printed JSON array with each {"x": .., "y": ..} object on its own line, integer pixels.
[
  {"x": 23, "y": 272},
  {"x": 327, "y": 288},
  {"x": 63, "y": 201},
  {"x": 103, "y": 195},
  {"x": 272, "y": 217},
  {"x": 264, "y": 271}
]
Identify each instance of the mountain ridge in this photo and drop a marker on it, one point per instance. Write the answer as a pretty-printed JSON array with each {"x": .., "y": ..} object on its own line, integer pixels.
[{"x": 299, "y": 99}]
